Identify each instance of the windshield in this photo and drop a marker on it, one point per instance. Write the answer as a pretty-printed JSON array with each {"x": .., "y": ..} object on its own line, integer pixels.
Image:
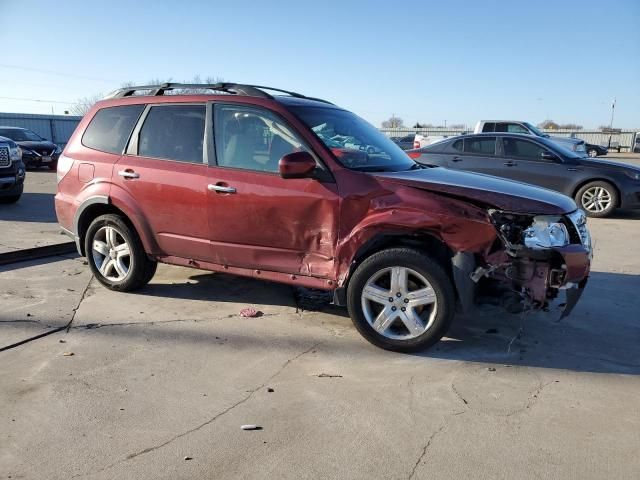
[
  {"x": 18, "y": 135},
  {"x": 355, "y": 143},
  {"x": 535, "y": 130}
]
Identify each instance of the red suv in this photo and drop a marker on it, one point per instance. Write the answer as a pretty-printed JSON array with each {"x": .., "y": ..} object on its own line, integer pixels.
[{"x": 232, "y": 178}]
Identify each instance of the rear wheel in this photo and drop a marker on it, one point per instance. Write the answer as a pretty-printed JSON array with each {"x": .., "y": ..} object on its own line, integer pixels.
[
  {"x": 401, "y": 300},
  {"x": 597, "y": 199},
  {"x": 116, "y": 255}
]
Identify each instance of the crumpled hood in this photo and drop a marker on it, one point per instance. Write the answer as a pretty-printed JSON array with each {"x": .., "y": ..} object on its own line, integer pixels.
[{"x": 502, "y": 194}]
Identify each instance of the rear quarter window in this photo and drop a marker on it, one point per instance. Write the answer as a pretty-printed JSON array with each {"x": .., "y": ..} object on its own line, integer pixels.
[{"x": 110, "y": 128}]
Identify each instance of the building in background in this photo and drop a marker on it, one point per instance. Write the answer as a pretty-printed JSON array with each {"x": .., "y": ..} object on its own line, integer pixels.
[{"x": 57, "y": 128}]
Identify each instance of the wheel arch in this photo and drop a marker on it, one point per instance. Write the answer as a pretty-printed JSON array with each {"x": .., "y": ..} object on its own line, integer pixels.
[{"x": 425, "y": 241}]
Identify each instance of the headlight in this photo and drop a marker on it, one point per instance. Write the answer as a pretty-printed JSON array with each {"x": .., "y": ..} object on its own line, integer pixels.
[
  {"x": 15, "y": 153},
  {"x": 631, "y": 174},
  {"x": 58, "y": 149},
  {"x": 545, "y": 232}
]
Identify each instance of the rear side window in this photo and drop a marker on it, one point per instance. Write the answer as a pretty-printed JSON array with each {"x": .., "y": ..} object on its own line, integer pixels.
[
  {"x": 458, "y": 145},
  {"x": 480, "y": 146},
  {"x": 173, "y": 132},
  {"x": 111, "y": 127},
  {"x": 489, "y": 127}
]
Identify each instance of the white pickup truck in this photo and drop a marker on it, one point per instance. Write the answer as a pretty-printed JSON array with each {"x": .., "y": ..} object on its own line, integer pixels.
[
  {"x": 423, "y": 140},
  {"x": 516, "y": 126}
]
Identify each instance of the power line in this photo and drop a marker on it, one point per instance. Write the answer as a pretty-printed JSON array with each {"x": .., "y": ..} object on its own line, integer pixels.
[
  {"x": 41, "y": 100},
  {"x": 52, "y": 72}
]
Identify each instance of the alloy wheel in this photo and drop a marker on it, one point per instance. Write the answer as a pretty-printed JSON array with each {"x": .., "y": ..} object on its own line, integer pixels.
[
  {"x": 399, "y": 303},
  {"x": 596, "y": 199},
  {"x": 111, "y": 254}
]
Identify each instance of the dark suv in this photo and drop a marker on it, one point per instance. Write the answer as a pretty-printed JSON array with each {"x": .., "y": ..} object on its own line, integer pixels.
[
  {"x": 245, "y": 182},
  {"x": 12, "y": 172},
  {"x": 36, "y": 151}
]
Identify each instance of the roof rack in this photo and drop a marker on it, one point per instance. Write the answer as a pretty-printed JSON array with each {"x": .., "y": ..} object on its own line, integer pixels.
[{"x": 229, "y": 88}]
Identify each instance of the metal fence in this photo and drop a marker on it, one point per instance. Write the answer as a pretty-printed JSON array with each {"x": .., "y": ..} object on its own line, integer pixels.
[
  {"x": 57, "y": 128},
  {"x": 624, "y": 139}
]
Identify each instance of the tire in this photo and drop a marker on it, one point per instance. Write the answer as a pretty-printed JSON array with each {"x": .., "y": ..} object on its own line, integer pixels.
[
  {"x": 607, "y": 194},
  {"x": 592, "y": 152},
  {"x": 13, "y": 198},
  {"x": 118, "y": 243},
  {"x": 375, "y": 274}
]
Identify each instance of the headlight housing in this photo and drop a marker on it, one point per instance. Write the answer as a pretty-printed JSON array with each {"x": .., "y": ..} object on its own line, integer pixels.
[
  {"x": 545, "y": 232},
  {"x": 15, "y": 153},
  {"x": 58, "y": 149}
]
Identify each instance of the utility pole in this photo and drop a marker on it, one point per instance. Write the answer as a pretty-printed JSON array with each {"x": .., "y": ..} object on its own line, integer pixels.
[{"x": 613, "y": 107}]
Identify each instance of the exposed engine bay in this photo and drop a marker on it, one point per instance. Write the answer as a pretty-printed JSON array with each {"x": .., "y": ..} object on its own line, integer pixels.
[{"x": 534, "y": 258}]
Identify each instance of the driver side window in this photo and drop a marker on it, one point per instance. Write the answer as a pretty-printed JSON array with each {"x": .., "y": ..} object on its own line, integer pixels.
[{"x": 251, "y": 138}]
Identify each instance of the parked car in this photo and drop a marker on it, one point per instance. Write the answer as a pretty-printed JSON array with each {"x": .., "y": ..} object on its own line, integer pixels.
[
  {"x": 598, "y": 186},
  {"x": 36, "y": 151},
  {"x": 514, "y": 126},
  {"x": 636, "y": 143},
  {"x": 12, "y": 171},
  {"x": 405, "y": 143},
  {"x": 241, "y": 181},
  {"x": 420, "y": 140},
  {"x": 596, "y": 150}
]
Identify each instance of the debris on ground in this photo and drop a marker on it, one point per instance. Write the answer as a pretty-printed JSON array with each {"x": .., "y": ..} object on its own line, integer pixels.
[
  {"x": 270, "y": 390},
  {"x": 62, "y": 341},
  {"x": 250, "y": 312},
  {"x": 491, "y": 369},
  {"x": 250, "y": 427},
  {"x": 328, "y": 375},
  {"x": 188, "y": 458},
  {"x": 68, "y": 354}
]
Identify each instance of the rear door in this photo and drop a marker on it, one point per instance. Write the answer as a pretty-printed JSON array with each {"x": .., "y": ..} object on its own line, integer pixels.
[
  {"x": 258, "y": 219},
  {"x": 474, "y": 154},
  {"x": 523, "y": 162},
  {"x": 165, "y": 176}
]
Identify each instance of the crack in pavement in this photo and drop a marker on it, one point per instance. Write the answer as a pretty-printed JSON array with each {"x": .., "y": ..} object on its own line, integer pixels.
[
  {"x": 246, "y": 398},
  {"x": 424, "y": 450}
]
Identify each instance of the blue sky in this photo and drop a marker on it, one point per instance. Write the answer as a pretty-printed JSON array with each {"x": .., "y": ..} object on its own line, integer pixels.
[{"x": 422, "y": 61}]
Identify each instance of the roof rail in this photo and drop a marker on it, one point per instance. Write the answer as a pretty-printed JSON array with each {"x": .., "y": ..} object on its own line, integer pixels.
[{"x": 229, "y": 88}]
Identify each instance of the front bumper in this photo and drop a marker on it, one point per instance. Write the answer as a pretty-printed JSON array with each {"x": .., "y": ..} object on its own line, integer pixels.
[
  {"x": 31, "y": 159},
  {"x": 10, "y": 185}
]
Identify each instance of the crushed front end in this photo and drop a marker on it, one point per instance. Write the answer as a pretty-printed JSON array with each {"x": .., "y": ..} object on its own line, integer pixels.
[{"x": 534, "y": 258}]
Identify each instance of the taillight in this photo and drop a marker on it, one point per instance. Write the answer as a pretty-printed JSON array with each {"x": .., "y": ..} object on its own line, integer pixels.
[
  {"x": 416, "y": 144},
  {"x": 415, "y": 155},
  {"x": 64, "y": 165}
]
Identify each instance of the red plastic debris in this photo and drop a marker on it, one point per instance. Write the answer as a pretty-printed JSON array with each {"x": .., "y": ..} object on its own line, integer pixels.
[{"x": 250, "y": 312}]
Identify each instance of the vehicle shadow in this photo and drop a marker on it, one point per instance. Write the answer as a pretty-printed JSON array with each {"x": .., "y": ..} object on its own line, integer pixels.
[
  {"x": 601, "y": 335},
  {"x": 625, "y": 214},
  {"x": 32, "y": 207}
]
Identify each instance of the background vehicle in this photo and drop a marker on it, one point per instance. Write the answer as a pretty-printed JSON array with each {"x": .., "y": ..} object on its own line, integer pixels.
[
  {"x": 12, "y": 171},
  {"x": 405, "y": 143},
  {"x": 423, "y": 140},
  {"x": 248, "y": 183},
  {"x": 596, "y": 150},
  {"x": 515, "y": 126},
  {"x": 598, "y": 186},
  {"x": 36, "y": 151},
  {"x": 636, "y": 143}
]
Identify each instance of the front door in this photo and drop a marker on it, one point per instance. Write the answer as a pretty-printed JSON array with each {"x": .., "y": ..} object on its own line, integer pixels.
[
  {"x": 523, "y": 162},
  {"x": 257, "y": 219},
  {"x": 165, "y": 175}
]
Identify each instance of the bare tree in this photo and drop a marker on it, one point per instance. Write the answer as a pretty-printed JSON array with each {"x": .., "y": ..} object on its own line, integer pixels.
[
  {"x": 549, "y": 124},
  {"x": 393, "y": 122},
  {"x": 570, "y": 126},
  {"x": 83, "y": 105}
]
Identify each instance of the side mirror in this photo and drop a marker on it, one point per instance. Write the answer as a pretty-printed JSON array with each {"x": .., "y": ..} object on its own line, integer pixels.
[
  {"x": 296, "y": 165},
  {"x": 548, "y": 156}
]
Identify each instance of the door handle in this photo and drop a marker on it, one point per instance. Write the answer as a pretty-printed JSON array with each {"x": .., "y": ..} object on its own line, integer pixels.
[
  {"x": 456, "y": 159},
  {"x": 510, "y": 164},
  {"x": 128, "y": 173},
  {"x": 221, "y": 188}
]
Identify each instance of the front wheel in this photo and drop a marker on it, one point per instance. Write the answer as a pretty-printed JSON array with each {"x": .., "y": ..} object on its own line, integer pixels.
[
  {"x": 597, "y": 199},
  {"x": 593, "y": 153},
  {"x": 116, "y": 256},
  {"x": 401, "y": 300}
]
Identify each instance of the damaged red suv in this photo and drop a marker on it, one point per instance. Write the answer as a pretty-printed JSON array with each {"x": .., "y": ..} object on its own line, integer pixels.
[{"x": 270, "y": 184}]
